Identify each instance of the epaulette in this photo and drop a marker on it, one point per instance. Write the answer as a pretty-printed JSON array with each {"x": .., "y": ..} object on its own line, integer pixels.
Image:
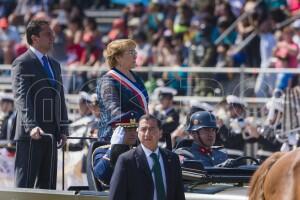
[
  {"x": 103, "y": 147},
  {"x": 105, "y": 157}
]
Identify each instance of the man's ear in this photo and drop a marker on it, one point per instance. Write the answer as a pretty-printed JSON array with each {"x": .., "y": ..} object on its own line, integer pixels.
[{"x": 34, "y": 38}]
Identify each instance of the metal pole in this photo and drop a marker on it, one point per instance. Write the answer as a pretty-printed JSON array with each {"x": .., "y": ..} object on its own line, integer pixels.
[
  {"x": 63, "y": 168},
  {"x": 150, "y": 74},
  {"x": 84, "y": 138},
  {"x": 242, "y": 82},
  {"x": 245, "y": 42},
  {"x": 233, "y": 25},
  {"x": 230, "y": 28},
  {"x": 189, "y": 84},
  {"x": 63, "y": 157}
]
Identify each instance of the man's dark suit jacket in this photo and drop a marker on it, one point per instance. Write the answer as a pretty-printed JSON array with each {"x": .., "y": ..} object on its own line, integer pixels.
[
  {"x": 38, "y": 103},
  {"x": 132, "y": 178}
]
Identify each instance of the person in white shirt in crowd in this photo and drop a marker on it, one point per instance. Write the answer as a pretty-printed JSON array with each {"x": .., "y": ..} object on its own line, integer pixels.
[
  {"x": 265, "y": 82},
  {"x": 231, "y": 131}
]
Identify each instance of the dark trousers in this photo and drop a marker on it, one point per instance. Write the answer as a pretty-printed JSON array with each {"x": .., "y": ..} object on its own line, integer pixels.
[{"x": 33, "y": 167}]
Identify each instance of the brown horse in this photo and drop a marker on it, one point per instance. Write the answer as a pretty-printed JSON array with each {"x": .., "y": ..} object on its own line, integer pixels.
[{"x": 278, "y": 178}]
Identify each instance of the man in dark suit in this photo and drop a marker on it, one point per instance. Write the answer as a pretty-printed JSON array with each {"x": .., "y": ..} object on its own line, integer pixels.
[
  {"x": 41, "y": 108},
  {"x": 147, "y": 172}
]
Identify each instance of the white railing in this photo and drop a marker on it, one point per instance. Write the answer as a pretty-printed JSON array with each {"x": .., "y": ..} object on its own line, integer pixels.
[
  {"x": 195, "y": 69},
  {"x": 5, "y": 82},
  {"x": 253, "y": 102}
]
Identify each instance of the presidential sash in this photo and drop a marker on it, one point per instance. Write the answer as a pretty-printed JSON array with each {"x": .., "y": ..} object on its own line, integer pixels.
[{"x": 128, "y": 84}]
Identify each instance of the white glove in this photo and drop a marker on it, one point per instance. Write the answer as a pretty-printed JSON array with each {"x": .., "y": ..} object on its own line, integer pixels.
[
  {"x": 293, "y": 139},
  {"x": 285, "y": 147},
  {"x": 118, "y": 136},
  {"x": 229, "y": 163}
]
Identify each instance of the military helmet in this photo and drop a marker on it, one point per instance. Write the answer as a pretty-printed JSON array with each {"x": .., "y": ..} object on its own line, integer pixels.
[{"x": 201, "y": 119}]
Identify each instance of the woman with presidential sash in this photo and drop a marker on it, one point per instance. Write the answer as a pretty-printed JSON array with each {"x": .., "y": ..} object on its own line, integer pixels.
[{"x": 120, "y": 90}]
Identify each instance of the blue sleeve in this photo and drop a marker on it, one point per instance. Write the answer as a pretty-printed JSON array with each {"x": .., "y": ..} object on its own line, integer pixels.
[{"x": 101, "y": 167}]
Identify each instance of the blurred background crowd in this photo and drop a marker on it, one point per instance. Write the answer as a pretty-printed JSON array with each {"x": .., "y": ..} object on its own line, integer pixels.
[{"x": 169, "y": 33}]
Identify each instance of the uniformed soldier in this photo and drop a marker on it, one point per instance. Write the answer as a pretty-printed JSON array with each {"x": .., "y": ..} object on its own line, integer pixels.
[
  {"x": 203, "y": 128},
  {"x": 180, "y": 134},
  {"x": 7, "y": 121},
  {"x": 167, "y": 114},
  {"x": 85, "y": 104},
  {"x": 96, "y": 115},
  {"x": 231, "y": 135},
  {"x": 201, "y": 105},
  {"x": 6, "y": 115},
  {"x": 266, "y": 135},
  {"x": 80, "y": 127},
  {"x": 124, "y": 138}
]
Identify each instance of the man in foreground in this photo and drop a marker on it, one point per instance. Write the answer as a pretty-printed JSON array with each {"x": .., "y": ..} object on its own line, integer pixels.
[{"x": 147, "y": 172}]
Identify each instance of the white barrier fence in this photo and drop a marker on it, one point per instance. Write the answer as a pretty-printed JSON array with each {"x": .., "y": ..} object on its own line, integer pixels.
[{"x": 253, "y": 102}]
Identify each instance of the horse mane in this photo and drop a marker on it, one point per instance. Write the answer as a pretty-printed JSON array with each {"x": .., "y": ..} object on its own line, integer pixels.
[{"x": 257, "y": 180}]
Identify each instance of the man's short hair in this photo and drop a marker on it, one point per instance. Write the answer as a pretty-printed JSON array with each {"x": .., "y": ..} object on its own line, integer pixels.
[
  {"x": 150, "y": 117},
  {"x": 34, "y": 27}
]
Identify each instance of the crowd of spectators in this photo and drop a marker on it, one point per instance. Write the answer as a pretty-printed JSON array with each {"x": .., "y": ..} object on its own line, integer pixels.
[{"x": 179, "y": 33}]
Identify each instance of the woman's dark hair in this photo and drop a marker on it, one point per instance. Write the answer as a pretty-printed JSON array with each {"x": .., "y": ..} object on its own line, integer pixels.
[{"x": 34, "y": 27}]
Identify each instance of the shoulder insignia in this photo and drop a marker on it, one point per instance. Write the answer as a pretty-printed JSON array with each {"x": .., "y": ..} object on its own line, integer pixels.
[
  {"x": 104, "y": 146},
  {"x": 101, "y": 147},
  {"x": 105, "y": 157}
]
